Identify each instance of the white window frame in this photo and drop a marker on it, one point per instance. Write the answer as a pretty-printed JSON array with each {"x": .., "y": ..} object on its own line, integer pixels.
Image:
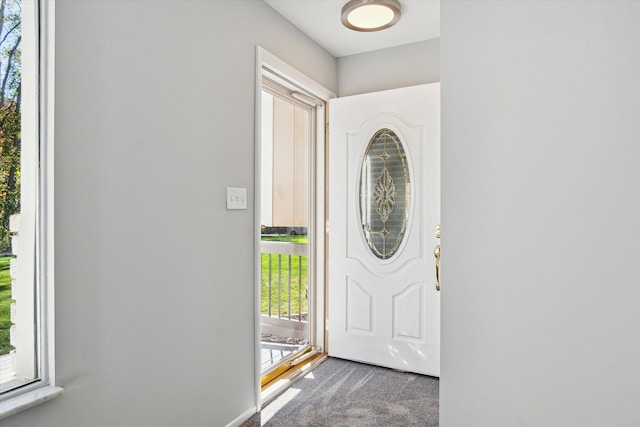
[{"x": 38, "y": 125}]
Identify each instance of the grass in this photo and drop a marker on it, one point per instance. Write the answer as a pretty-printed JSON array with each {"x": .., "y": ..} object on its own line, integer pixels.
[
  {"x": 5, "y": 304},
  {"x": 299, "y": 279},
  {"x": 296, "y": 238}
]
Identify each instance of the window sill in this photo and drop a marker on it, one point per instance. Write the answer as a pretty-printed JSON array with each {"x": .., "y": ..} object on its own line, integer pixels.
[{"x": 27, "y": 400}]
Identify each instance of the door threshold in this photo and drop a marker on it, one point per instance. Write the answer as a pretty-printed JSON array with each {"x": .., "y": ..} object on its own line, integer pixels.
[
  {"x": 273, "y": 385},
  {"x": 276, "y": 368}
]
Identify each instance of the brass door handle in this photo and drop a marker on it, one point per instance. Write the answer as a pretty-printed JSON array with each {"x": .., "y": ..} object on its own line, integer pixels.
[{"x": 436, "y": 253}]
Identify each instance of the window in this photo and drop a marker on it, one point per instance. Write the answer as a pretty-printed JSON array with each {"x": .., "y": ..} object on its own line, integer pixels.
[
  {"x": 26, "y": 214},
  {"x": 384, "y": 193}
]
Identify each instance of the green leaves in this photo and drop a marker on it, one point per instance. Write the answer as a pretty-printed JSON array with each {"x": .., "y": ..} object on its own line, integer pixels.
[{"x": 10, "y": 115}]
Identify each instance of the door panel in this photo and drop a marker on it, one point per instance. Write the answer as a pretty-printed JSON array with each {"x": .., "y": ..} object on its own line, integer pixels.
[
  {"x": 384, "y": 309},
  {"x": 408, "y": 313}
]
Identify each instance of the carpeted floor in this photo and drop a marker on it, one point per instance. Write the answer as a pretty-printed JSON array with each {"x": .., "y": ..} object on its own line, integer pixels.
[{"x": 344, "y": 393}]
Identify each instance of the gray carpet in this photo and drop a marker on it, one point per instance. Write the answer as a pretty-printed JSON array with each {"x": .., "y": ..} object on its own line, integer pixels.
[{"x": 344, "y": 393}]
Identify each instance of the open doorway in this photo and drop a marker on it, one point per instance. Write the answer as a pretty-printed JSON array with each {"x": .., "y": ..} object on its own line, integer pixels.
[
  {"x": 290, "y": 221},
  {"x": 287, "y": 136}
]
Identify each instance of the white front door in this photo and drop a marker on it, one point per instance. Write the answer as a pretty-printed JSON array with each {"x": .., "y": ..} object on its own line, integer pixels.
[{"x": 384, "y": 202}]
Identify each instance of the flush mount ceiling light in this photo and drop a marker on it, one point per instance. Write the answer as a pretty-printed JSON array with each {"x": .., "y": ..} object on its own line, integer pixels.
[{"x": 370, "y": 15}]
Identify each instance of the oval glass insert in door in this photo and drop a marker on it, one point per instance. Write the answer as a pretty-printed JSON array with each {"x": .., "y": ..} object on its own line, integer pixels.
[{"x": 385, "y": 193}]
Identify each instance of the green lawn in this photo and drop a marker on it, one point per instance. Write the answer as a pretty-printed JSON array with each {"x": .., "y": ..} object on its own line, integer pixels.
[
  {"x": 5, "y": 304},
  {"x": 299, "y": 279},
  {"x": 296, "y": 238}
]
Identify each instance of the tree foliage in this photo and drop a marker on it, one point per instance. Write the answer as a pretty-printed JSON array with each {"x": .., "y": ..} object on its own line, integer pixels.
[{"x": 10, "y": 119}]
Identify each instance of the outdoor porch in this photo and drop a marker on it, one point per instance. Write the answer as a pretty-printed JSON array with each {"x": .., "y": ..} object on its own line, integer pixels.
[{"x": 284, "y": 304}]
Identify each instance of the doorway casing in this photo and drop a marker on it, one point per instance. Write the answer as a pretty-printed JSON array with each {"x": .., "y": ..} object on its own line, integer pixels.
[{"x": 269, "y": 65}]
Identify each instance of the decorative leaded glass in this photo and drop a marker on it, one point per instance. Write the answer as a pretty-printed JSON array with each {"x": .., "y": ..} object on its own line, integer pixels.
[{"x": 385, "y": 193}]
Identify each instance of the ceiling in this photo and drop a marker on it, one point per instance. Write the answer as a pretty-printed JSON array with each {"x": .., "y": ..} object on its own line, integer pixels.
[{"x": 320, "y": 20}]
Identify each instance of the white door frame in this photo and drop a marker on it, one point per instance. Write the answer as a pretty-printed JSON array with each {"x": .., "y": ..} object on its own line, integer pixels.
[{"x": 274, "y": 66}]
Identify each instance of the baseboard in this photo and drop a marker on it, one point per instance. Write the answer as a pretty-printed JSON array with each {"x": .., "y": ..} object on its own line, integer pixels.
[{"x": 243, "y": 417}]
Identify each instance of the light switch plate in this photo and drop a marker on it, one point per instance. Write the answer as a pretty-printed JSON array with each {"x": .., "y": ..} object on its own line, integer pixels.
[{"x": 236, "y": 198}]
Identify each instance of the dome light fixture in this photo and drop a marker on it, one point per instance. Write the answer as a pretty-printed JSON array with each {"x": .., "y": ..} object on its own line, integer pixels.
[{"x": 370, "y": 15}]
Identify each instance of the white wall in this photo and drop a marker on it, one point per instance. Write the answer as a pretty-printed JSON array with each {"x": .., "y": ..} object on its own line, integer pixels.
[
  {"x": 154, "y": 278},
  {"x": 391, "y": 68},
  {"x": 540, "y": 213}
]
